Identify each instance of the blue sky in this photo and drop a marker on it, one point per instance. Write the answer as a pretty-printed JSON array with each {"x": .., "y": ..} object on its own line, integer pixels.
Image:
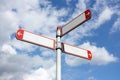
[{"x": 23, "y": 61}]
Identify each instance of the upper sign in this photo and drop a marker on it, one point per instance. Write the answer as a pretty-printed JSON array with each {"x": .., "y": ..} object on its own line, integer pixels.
[
  {"x": 35, "y": 39},
  {"x": 76, "y": 51},
  {"x": 76, "y": 22}
]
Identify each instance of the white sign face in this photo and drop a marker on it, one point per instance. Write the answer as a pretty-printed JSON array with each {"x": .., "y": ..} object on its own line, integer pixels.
[
  {"x": 76, "y": 22},
  {"x": 76, "y": 51},
  {"x": 35, "y": 39}
]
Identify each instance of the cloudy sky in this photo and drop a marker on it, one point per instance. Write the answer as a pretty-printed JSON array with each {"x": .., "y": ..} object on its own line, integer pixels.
[{"x": 101, "y": 34}]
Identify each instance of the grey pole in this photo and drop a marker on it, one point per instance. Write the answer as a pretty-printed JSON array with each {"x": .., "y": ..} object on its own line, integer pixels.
[{"x": 58, "y": 55}]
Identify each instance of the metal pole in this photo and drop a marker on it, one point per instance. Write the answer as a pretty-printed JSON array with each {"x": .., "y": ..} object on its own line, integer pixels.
[{"x": 58, "y": 55}]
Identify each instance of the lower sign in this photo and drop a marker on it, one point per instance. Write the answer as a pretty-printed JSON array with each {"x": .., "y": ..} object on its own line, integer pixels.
[
  {"x": 35, "y": 39},
  {"x": 76, "y": 51}
]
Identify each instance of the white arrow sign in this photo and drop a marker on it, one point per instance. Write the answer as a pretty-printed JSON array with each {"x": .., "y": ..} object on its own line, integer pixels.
[
  {"x": 76, "y": 22},
  {"x": 76, "y": 51},
  {"x": 36, "y": 39}
]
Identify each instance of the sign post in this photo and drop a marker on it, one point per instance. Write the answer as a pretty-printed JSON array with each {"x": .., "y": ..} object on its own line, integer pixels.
[
  {"x": 58, "y": 55},
  {"x": 30, "y": 37}
]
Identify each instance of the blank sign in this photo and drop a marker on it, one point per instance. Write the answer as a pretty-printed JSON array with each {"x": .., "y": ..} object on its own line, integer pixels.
[
  {"x": 76, "y": 22},
  {"x": 76, "y": 51},
  {"x": 35, "y": 39}
]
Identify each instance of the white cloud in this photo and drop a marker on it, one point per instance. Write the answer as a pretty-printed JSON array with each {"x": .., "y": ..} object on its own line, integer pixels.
[
  {"x": 74, "y": 61},
  {"x": 8, "y": 49},
  {"x": 22, "y": 5},
  {"x": 49, "y": 18},
  {"x": 8, "y": 25},
  {"x": 100, "y": 56},
  {"x": 41, "y": 74},
  {"x": 105, "y": 15},
  {"x": 80, "y": 7},
  {"x": 32, "y": 15},
  {"x": 116, "y": 26},
  {"x": 23, "y": 46},
  {"x": 16, "y": 66},
  {"x": 6, "y": 76},
  {"x": 29, "y": 14},
  {"x": 47, "y": 52}
]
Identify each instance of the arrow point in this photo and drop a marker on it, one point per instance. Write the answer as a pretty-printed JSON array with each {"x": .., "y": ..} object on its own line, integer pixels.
[
  {"x": 88, "y": 14},
  {"x": 89, "y": 55},
  {"x": 19, "y": 34}
]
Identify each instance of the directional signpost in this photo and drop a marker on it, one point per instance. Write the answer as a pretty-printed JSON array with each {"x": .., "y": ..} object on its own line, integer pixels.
[{"x": 57, "y": 44}]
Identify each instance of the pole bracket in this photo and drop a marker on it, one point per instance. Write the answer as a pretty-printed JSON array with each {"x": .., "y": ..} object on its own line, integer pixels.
[{"x": 58, "y": 45}]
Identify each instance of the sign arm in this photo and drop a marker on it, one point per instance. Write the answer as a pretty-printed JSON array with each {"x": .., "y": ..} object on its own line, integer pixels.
[
  {"x": 76, "y": 51},
  {"x": 86, "y": 15},
  {"x": 32, "y": 38}
]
